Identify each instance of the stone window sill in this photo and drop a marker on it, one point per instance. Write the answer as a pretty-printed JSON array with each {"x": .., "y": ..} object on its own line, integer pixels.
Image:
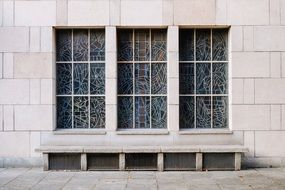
[
  {"x": 205, "y": 131},
  {"x": 79, "y": 132},
  {"x": 143, "y": 132}
]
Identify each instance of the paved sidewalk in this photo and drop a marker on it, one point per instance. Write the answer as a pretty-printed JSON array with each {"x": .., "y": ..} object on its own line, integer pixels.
[{"x": 35, "y": 178}]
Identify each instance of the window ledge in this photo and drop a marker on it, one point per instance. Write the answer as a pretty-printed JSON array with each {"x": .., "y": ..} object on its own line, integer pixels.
[
  {"x": 79, "y": 132},
  {"x": 205, "y": 131},
  {"x": 143, "y": 132}
]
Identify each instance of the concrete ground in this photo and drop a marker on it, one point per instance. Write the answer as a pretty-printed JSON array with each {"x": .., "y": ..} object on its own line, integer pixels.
[{"x": 35, "y": 178}]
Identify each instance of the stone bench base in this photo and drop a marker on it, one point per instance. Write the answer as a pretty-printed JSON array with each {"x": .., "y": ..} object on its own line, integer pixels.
[{"x": 200, "y": 152}]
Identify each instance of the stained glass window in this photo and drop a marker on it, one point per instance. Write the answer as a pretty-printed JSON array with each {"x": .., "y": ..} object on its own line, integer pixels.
[
  {"x": 142, "y": 78},
  {"x": 80, "y": 78},
  {"x": 203, "y": 78}
]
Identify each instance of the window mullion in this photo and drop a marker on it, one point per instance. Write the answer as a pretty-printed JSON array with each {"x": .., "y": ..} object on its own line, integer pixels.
[
  {"x": 133, "y": 39},
  {"x": 72, "y": 81},
  {"x": 150, "y": 79}
]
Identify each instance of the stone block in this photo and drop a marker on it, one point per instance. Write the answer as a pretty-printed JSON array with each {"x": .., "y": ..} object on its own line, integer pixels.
[
  {"x": 35, "y": 91},
  {"x": 111, "y": 39},
  {"x": 61, "y": 12},
  {"x": 221, "y": 11},
  {"x": 275, "y": 64},
  {"x": 198, "y": 12},
  {"x": 46, "y": 39},
  {"x": 35, "y": 39},
  {"x": 14, "y": 91},
  {"x": 141, "y": 13},
  {"x": 282, "y": 11},
  {"x": 1, "y": 65},
  {"x": 283, "y": 63},
  {"x": 8, "y": 65},
  {"x": 47, "y": 91},
  {"x": 269, "y": 143},
  {"x": 236, "y": 38},
  {"x": 248, "y": 142},
  {"x": 173, "y": 91},
  {"x": 18, "y": 144},
  {"x": 167, "y": 12},
  {"x": 8, "y": 13},
  {"x": 8, "y": 117},
  {"x": 173, "y": 117},
  {"x": 111, "y": 112},
  {"x": 251, "y": 117},
  {"x": 250, "y": 64},
  {"x": 276, "y": 117},
  {"x": 35, "y": 13},
  {"x": 35, "y": 142},
  {"x": 275, "y": 16},
  {"x": 173, "y": 64},
  {"x": 115, "y": 12},
  {"x": 9, "y": 36},
  {"x": 1, "y": 15},
  {"x": 269, "y": 91},
  {"x": 111, "y": 91},
  {"x": 245, "y": 12},
  {"x": 248, "y": 38},
  {"x": 283, "y": 117},
  {"x": 269, "y": 38},
  {"x": 248, "y": 93},
  {"x": 33, "y": 117},
  {"x": 111, "y": 65},
  {"x": 1, "y": 116},
  {"x": 237, "y": 91},
  {"x": 33, "y": 65},
  {"x": 86, "y": 13},
  {"x": 172, "y": 38}
]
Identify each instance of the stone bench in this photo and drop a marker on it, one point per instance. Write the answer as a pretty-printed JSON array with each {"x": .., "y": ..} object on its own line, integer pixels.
[{"x": 235, "y": 150}]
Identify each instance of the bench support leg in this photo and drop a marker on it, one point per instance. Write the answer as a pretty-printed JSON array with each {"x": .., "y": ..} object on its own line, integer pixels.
[
  {"x": 237, "y": 161},
  {"x": 160, "y": 162},
  {"x": 122, "y": 161},
  {"x": 46, "y": 161},
  {"x": 83, "y": 162},
  {"x": 199, "y": 161}
]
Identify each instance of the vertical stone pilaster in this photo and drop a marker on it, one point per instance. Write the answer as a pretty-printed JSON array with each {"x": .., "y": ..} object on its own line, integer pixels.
[
  {"x": 160, "y": 162},
  {"x": 173, "y": 77},
  {"x": 122, "y": 161},
  {"x": 199, "y": 161},
  {"x": 83, "y": 162},
  {"x": 111, "y": 78},
  {"x": 46, "y": 161},
  {"x": 237, "y": 161}
]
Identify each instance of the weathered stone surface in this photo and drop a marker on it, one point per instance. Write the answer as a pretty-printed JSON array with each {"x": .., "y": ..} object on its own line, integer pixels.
[
  {"x": 14, "y": 91},
  {"x": 9, "y": 36}
]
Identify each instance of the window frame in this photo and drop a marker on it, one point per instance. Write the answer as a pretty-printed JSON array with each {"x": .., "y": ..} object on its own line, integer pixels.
[
  {"x": 212, "y": 130},
  {"x": 79, "y": 130}
]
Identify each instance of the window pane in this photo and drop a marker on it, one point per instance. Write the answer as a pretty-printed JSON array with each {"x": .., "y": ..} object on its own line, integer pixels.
[
  {"x": 80, "y": 111},
  {"x": 159, "y": 112},
  {"x": 220, "y": 112},
  {"x": 203, "y": 113},
  {"x": 125, "y": 45},
  {"x": 142, "y": 45},
  {"x": 186, "y": 112},
  {"x": 158, "y": 43},
  {"x": 186, "y": 45},
  {"x": 64, "y": 112},
  {"x": 80, "y": 81},
  {"x": 142, "y": 75},
  {"x": 64, "y": 78},
  {"x": 203, "y": 78},
  {"x": 97, "y": 78},
  {"x": 158, "y": 78},
  {"x": 142, "y": 112},
  {"x": 97, "y": 45},
  {"x": 80, "y": 45},
  {"x": 220, "y": 78},
  {"x": 220, "y": 45},
  {"x": 125, "y": 112},
  {"x": 63, "y": 45},
  {"x": 186, "y": 78},
  {"x": 203, "y": 45},
  {"x": 97, "y": 112},
  {"x": 125, "y": 78}
]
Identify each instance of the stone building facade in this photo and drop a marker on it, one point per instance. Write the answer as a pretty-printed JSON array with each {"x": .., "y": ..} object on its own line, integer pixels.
[{"x": 256, "y": 71}]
